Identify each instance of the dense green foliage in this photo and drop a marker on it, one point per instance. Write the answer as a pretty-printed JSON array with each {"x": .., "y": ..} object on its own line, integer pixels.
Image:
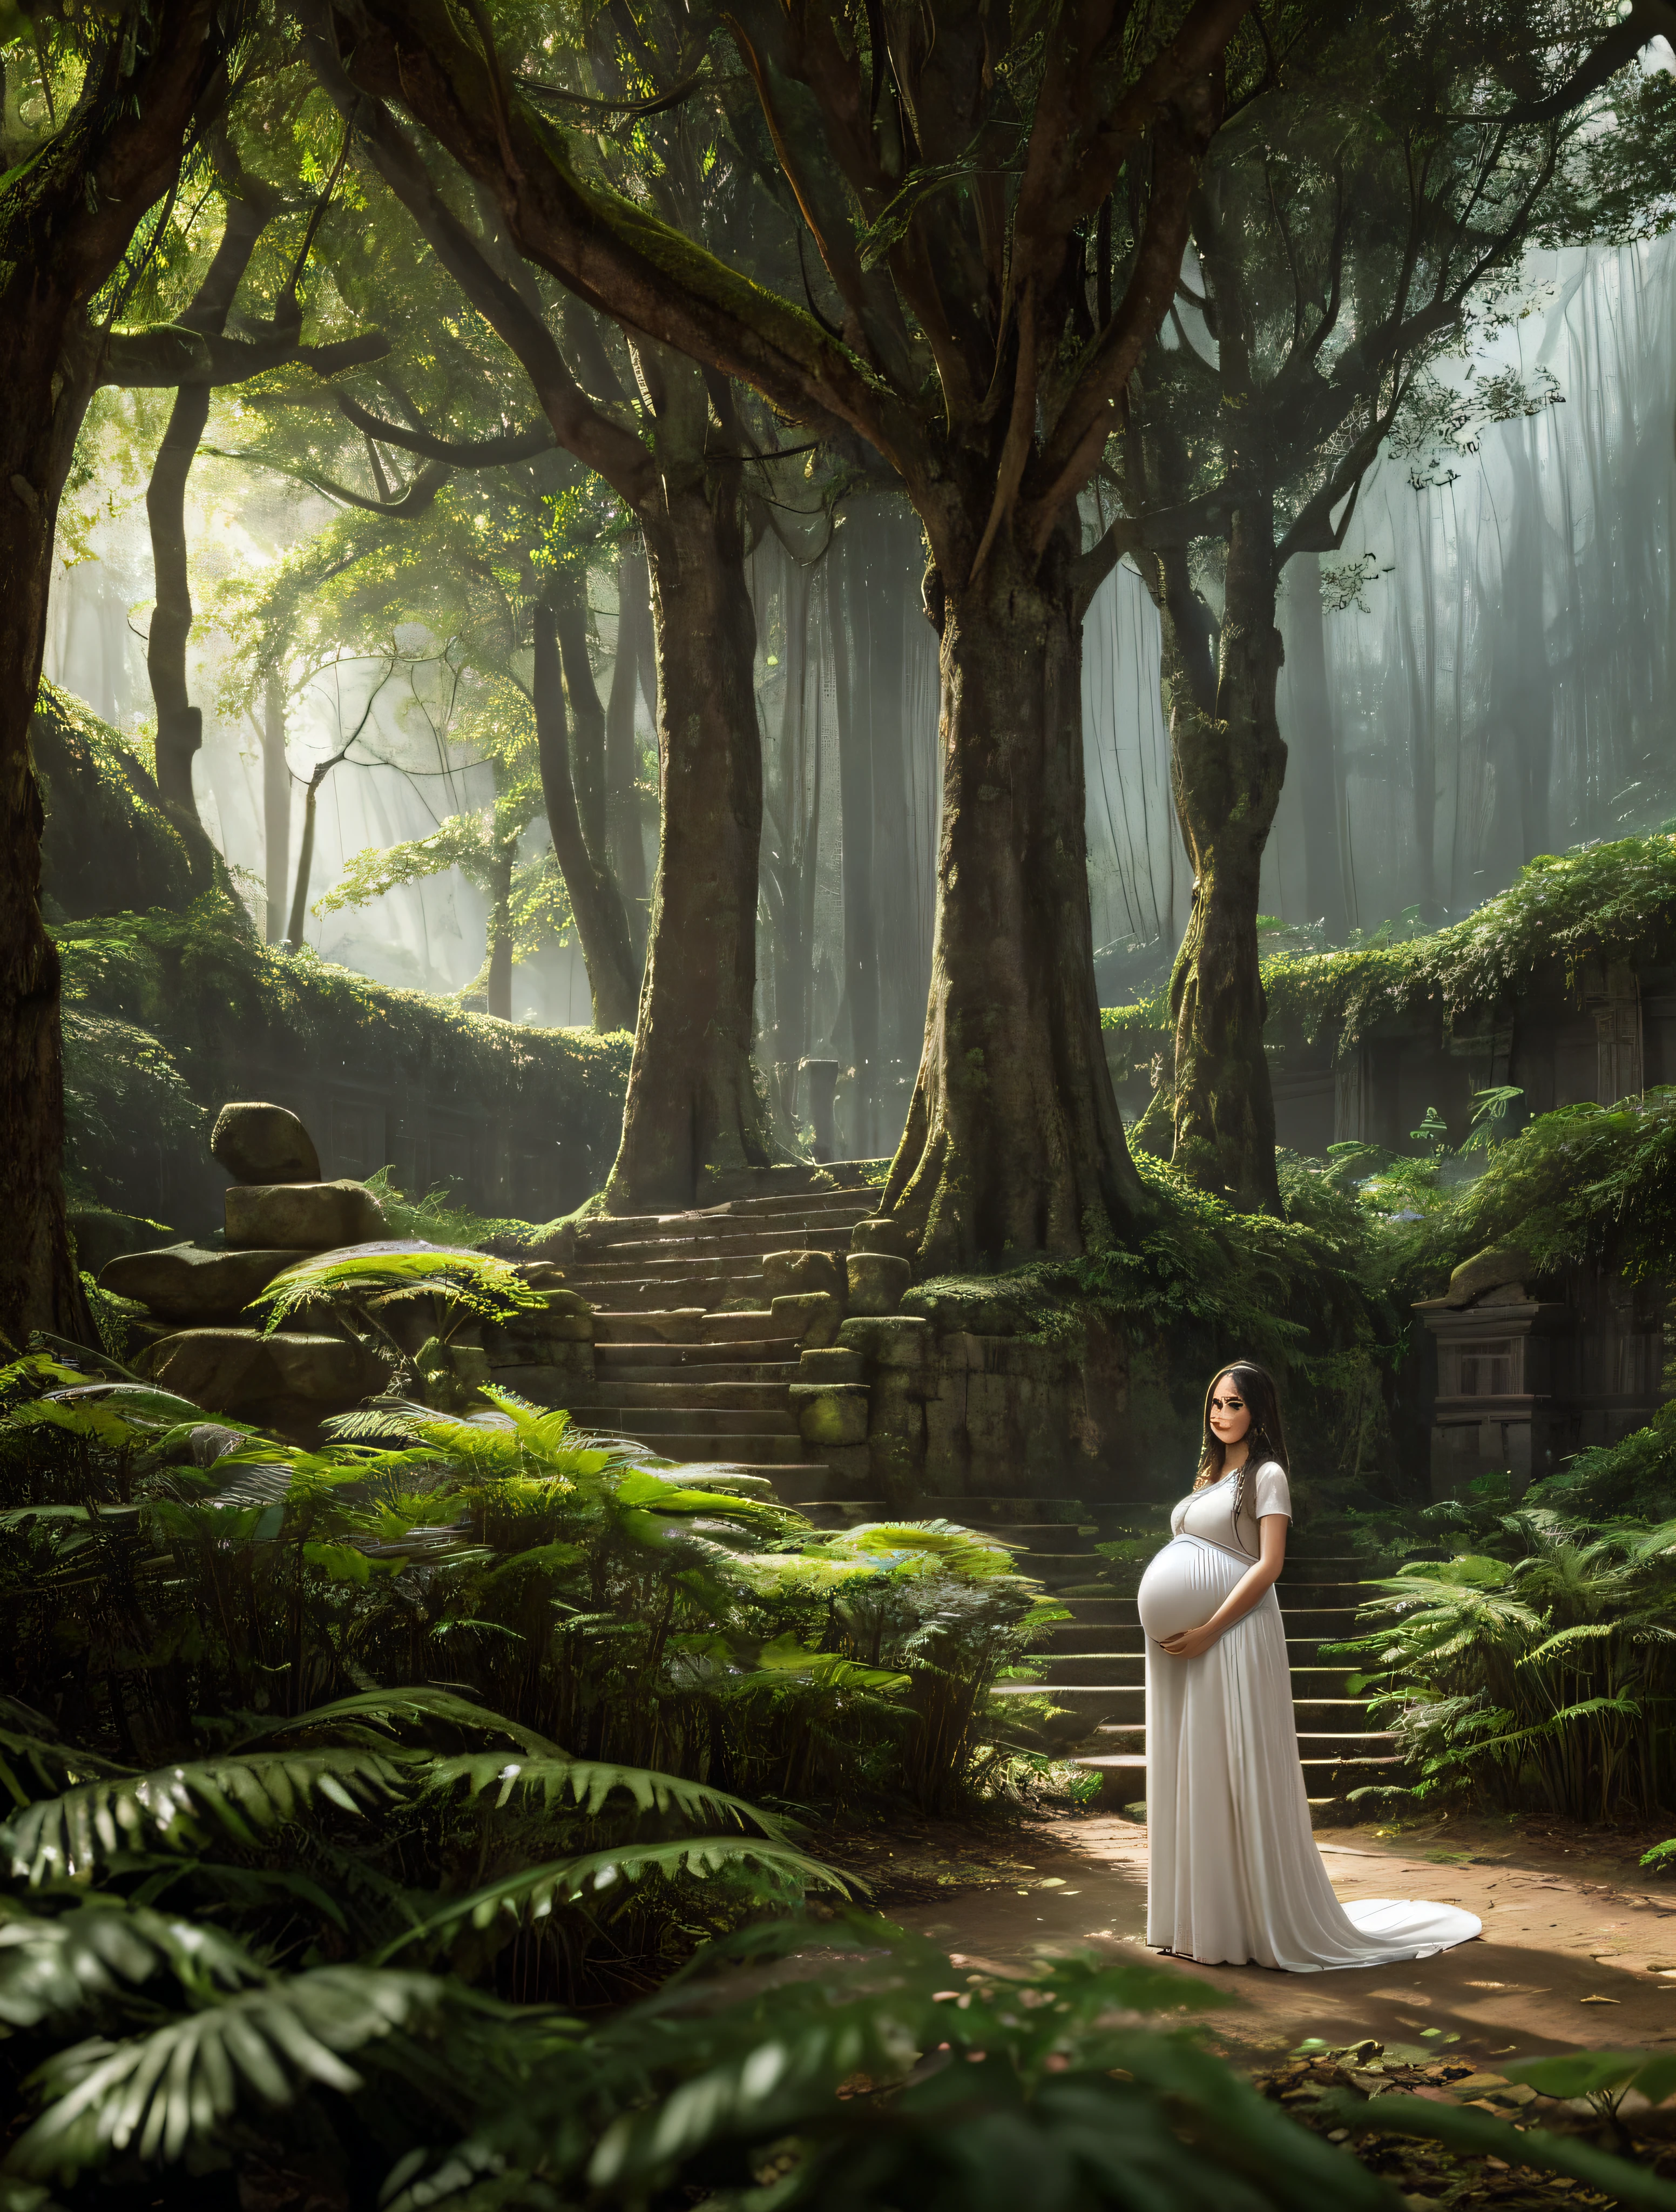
[
  {"x": 1585, "y": 1182},
  {"x": 1609, "y": 902},
  {"x": 327, "y": 1771},
  {"x": 1537, "y": 1666},
  {"x": 109, "y": 842},
  {"x": 639, "y": 1613}
]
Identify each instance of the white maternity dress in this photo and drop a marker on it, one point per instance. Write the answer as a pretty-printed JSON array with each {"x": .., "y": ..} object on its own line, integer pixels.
[{"x": 1233, "y": 1870}]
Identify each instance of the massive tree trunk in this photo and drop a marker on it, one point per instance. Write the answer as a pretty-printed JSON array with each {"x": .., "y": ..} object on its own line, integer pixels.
[
  {"x": 68, "y": 217},
  {"x": 179, "y": 724},
  {"x": 1227, "y": 764},
  {"x": 692, "y": 1094},
  {"x": 601, "y": 924},
  {"x": 1014, "y": 1147},
  {"x": 626, "y": 847}
]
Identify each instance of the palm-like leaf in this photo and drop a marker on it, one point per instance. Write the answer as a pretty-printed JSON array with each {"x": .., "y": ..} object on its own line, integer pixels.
[
  {"x": 492, "y": 1289},
  {"x": 590, "y": 1784},
  {"x": 418, "y": 1706},
  {"x": 60, "y": 1968},
  {"x": 240, "y": 1797},
  {"x": 159, "y": 2093},
  {"x": 532, "y": 1893}
]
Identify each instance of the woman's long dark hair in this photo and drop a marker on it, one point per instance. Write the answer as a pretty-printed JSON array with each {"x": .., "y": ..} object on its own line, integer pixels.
[{"x": 1266, "y": 1438}]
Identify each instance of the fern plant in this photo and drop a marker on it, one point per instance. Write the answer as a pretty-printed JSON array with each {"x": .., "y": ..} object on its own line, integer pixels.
[
  {"x": 1544, "y": 1679},
  {"x": 359, "y": 1290}
]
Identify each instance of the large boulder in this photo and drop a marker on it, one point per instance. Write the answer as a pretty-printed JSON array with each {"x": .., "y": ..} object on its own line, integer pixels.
[
  {"x": 238, "y": 1371},
  {"x": 261, "y": 1144},
  {"x": 301, "y": 1217},
  {"x": 190, "y": 1282}
]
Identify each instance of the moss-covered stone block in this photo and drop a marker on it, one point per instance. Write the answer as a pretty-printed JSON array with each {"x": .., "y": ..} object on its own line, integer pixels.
[
  {"x": 192, "y": 1282},
  {"x": 792, "y": 1274},
  {"x": 301, "y": 1217},
  {"x": 877, "y": 1281},
  {"x": 811, "y": 1316},
  {"x": 831, "y": 1412},
  {"x": 880, "y": 1234},
  {"x": 889, "y": 1339},
  {"x": 831, "y": 1363}
]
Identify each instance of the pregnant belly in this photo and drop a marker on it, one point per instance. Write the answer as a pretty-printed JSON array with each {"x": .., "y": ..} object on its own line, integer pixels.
[{"x": 1183, "y": 1586}]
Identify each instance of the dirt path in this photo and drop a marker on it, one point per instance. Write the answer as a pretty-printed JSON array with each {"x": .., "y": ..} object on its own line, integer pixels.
[{"x": 1579, "y": 1948}]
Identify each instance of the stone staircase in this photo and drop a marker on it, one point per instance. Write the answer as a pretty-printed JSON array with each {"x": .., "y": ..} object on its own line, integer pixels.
[
  {"x": 689, "y": 1361},
  {"x": 654, "y": 1263},
  {"x": 1096, "y": 1664}
]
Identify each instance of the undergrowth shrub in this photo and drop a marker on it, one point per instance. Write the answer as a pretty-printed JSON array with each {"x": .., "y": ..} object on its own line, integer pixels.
[
  {"x": 173, "y": 1584},
  {"x": 1538, "y": 1671}
]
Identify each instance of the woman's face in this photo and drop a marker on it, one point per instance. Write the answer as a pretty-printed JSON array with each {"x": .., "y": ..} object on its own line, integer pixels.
[{"x": 1230, "y": 1416}]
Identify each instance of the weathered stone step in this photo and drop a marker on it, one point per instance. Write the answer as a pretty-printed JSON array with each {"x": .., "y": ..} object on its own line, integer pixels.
[
  {"x": 643, "y": 1421},
  {"x": 1297, "y": 1593},
  {"x": 629, "y": 1298},
  {"x": 729, "y": 1243},
  {"x": 1315, "y": 1747},
  {"x": 761, "y": 1455},
  {"x": 1325, "y": 1780},
  {"x": 659, "y": 1327},
  {"x": 1053, "y": 1568},
  {"x": 750, "y": 1325},
  {"x": 688, "y": 1393},
  {"x": 673, "y": 1267},
  {"x": 620, "y": 1376},
  {"x": 1022, "y": 1535},
  {"x": 1127, "y": 1670},
  {"x": 1323, "y": 1623},
  {"x": 609, "y": 1355},
  {"x": 815, "y": 1209}
]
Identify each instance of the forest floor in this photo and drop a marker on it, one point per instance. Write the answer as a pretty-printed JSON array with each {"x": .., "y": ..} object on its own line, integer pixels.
[{"x": 1578, "y": 1949}]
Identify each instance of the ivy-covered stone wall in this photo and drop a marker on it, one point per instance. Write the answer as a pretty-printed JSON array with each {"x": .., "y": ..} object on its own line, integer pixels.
[
  {"x": 172, "y": 1005},
  {"x": 1564, "y": 987}
]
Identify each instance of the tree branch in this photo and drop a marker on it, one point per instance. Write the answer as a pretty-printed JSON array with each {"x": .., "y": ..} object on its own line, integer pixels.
[
  {"x": 483, "y": 454},
  {"x": 171, "y": 353}
]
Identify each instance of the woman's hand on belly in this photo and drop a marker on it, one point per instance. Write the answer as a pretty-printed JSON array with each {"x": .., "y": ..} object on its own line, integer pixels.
[{"x": 1191, "y": 1643}]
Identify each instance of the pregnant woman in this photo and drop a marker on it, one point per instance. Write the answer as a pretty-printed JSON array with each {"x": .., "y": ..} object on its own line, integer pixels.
[{"x": 1234, "y": 1874}]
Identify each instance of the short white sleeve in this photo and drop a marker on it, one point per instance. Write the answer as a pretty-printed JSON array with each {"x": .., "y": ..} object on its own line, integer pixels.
[{"x": 1272, "y": 1493}]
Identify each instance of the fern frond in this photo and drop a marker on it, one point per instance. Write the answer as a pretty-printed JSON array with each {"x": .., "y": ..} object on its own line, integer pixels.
[
  {"x": 417, "y": 1705},
  {"x": 156, "y": 2094},
  {"x": 491, "y": 1288},
  {"x": 532, "y": 1893},
  {"x": 34, "y": 1762},
  {"x": 241, "y": 1797},
  {"x": 59, "y": 1968},
  {"x": 589, "y": 1784}
]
